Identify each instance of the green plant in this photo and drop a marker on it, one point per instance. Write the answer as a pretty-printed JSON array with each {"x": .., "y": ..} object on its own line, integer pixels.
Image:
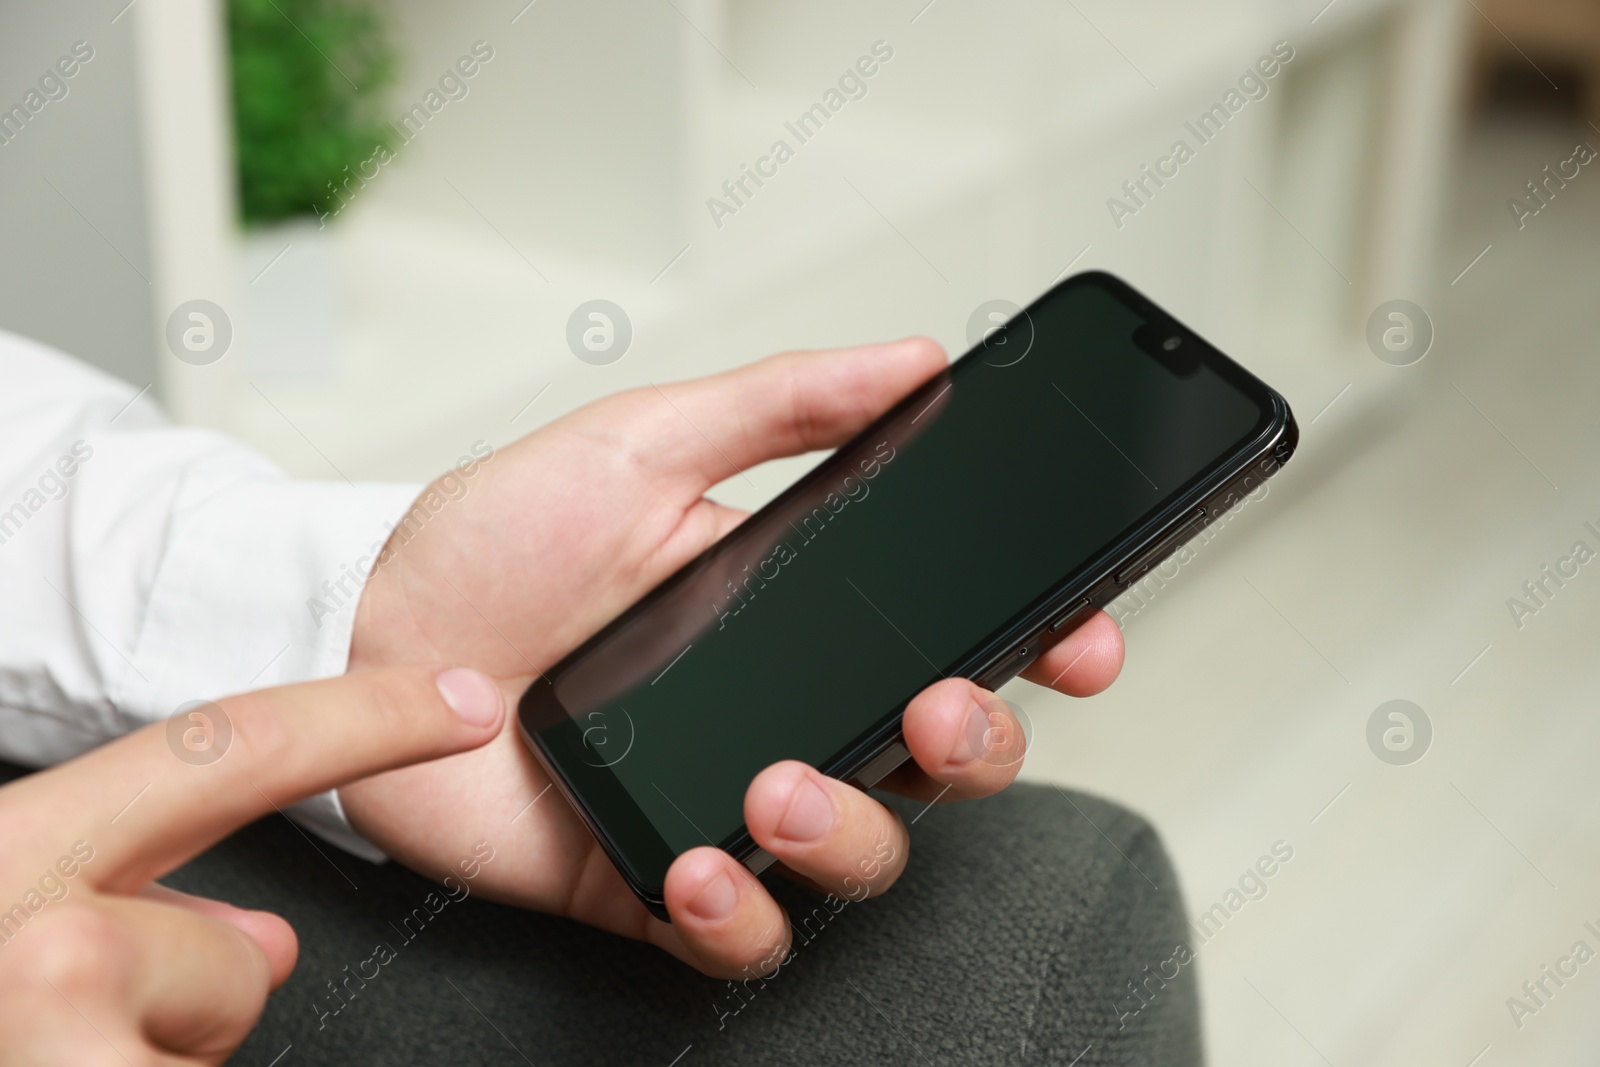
[{"x": 307, "y": 79}]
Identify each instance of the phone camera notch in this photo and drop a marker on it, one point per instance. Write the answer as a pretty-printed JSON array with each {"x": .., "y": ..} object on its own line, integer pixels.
[{"x": 1163, "y": 341}]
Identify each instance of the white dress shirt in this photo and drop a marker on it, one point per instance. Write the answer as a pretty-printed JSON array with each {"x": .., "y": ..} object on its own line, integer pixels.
[{"x": 145, "y": 565}]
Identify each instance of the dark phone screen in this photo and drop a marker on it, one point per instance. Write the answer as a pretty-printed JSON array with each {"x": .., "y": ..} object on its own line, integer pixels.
[{"x": 824, "y": 614}]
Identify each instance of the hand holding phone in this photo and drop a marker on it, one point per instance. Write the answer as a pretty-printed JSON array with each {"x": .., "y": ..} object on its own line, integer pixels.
[
  {"x": 558, "y": 534},
  {"x": 960, "y": 535}
]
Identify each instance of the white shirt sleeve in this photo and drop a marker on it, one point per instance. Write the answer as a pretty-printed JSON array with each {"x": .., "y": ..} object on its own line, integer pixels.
[{"x": 144, "y": 566}]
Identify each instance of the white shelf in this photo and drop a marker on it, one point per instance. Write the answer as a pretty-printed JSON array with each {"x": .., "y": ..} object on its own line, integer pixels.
[{"x": 954, "y": 192}]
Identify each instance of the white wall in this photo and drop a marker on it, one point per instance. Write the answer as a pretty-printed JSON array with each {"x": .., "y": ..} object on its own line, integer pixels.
[{"x": 76, "y": 257}]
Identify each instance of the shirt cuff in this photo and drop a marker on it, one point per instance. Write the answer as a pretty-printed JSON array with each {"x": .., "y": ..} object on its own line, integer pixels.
[{"x": 258, "y": 588}]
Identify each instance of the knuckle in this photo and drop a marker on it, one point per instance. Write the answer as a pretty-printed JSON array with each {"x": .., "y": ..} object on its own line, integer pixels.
[
  {"x": 400, "y": 704},
  {"x": 75, "y": 947}
]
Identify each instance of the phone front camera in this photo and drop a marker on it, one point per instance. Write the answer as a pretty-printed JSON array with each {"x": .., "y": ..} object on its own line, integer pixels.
[{"x": 1171, "y": 344}]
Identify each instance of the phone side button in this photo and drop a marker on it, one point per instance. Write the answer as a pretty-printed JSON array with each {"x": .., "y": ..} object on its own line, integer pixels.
[
  {"x": 881, "y": 765},
  {"x": 1066, "y": 616},
  {"x": 760, "y": 861}
]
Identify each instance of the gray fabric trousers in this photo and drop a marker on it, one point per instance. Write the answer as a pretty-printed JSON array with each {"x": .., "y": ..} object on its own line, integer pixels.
[{"x": 1030, "y": 928}]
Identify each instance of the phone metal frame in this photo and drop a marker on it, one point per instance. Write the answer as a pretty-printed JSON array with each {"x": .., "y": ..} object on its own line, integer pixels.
[{"x": 1008, "y": 651}]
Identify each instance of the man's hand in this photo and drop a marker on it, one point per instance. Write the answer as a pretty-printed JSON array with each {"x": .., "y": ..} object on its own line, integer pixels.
[
  {"x": 99, "y": 965},
  {"x": 555, "y": 537}
]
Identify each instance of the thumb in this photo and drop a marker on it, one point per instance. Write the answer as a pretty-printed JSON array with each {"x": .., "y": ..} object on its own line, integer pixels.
[
  {"x": 713, "y": 428},
  {"x": 271, "y": 931}
]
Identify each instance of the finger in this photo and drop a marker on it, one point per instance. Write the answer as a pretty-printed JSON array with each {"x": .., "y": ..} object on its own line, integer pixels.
[
  {"x": 723, "y": 920},
  {"x": 63, "y": 990},
  {"x": 829, "y": 833},
  {"x": 706, "y": 522},
  {"x": 964, "y": 741},
  {"x": 782, "y": 406},
  {"x": 272, "y": 933},
  {"x": 94, "y": 976},
  {"x": 200, "y": 983},
  {"x": 139, "y": 807},
  {"x": 1083, "y": 663},
  {"x": 64, "y": 1036},
  {"x": 41, "y": 1028}
]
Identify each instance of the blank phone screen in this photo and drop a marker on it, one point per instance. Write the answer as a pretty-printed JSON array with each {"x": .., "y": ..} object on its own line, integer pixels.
[{"x": 886, "y": 568}]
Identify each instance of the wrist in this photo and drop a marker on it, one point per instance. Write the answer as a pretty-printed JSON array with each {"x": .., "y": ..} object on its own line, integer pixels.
[
  {"x": 386, "y": 630},
  {"x": 363, "y": 635},
  {"x": 376, "y": 619}
]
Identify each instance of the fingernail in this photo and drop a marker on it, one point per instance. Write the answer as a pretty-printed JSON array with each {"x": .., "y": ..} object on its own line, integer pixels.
[
  {"x": 810, "y": 813},
  {"x": 716, "y": 899},
  {"x": 972, "y": 741},
  {"x": 472, "y": 696}
]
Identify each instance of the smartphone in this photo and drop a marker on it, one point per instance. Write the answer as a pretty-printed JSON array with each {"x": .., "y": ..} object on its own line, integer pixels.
[{"x": 960, "y": 535}]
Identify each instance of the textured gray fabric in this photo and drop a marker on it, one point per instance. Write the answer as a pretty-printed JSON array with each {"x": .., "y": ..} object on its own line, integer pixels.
[{"x": 1017, "y": 936}]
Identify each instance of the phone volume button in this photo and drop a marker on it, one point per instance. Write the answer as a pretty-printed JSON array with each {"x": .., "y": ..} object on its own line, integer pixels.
[{"x": 1066, "y": 616}]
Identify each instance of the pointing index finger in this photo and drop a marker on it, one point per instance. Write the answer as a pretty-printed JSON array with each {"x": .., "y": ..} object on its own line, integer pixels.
[{"x": 149, "y": 801}]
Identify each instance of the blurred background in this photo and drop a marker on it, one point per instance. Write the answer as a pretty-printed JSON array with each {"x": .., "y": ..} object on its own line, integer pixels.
[{"x": 393, "y": 208}]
